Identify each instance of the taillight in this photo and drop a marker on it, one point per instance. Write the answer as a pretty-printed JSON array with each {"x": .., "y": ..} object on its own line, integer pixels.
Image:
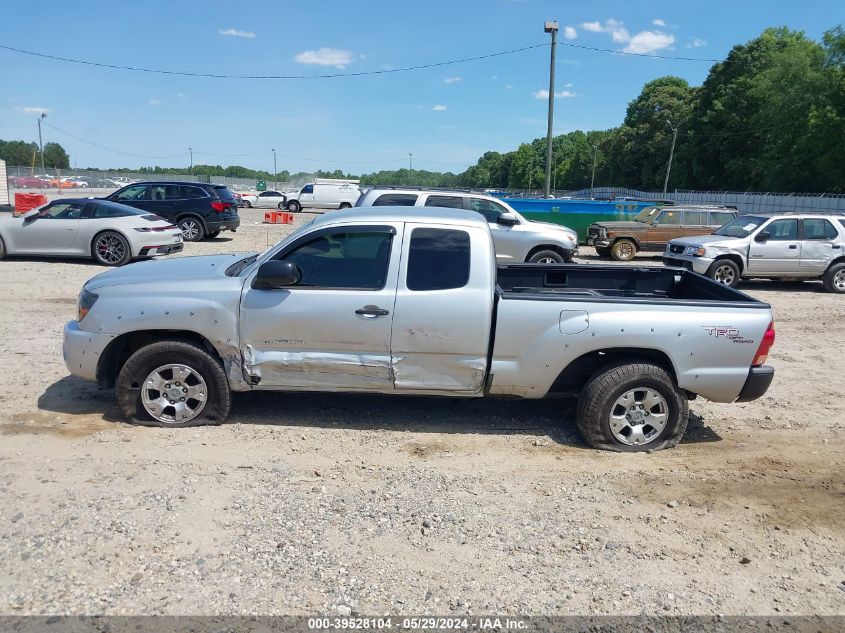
[
  {"x": 220, "y": 207},
  {"x": 765, "y": 345}
]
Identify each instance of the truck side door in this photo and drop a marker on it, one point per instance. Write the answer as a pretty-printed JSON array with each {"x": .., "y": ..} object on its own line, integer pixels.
[
  {"x": 819, "y": 245},
  {"x": 781, "y": 253},
  {"x": 444, "y": 307},
  {"x": 332, "y": 330}
]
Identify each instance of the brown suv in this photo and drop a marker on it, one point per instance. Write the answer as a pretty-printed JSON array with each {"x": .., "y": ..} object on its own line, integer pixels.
[{"x": 653, "y": 227}]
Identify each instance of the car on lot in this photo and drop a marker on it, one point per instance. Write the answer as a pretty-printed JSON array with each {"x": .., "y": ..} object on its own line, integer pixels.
[
  {"x": 800, "y": 246},
  {"x": 28, "y": 182},
  {"x": 265, "y": 200},
  {"x": 113, "y": 234},
  {"x": 517, "y": 239},
  {"x": 653, "y": 227},
  {"x": 325, "y": 193},
  {"x": 410, "y": 301},
  {"x": 200, "y": 210}
]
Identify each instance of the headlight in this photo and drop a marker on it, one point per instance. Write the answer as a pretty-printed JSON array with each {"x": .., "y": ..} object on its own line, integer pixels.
[
  {"x": 696, "y": 251},
  {"x": 85, "y": 303}
]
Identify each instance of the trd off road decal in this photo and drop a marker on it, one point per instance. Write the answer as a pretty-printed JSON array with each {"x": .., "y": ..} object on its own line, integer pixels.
[{"x": 727, "y": 332}]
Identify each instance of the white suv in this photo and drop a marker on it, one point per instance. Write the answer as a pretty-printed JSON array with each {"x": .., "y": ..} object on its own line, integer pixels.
[{"x": 517, "y": 239}]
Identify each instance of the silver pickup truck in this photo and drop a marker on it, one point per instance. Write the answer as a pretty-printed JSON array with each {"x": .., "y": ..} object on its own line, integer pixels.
[{"x": 410, "y": 301}]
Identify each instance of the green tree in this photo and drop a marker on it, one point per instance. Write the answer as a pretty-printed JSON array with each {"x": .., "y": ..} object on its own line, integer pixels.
[{"x": 55, "y": 156}]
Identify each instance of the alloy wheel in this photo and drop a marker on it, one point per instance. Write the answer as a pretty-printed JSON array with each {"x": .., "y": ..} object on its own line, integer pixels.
[
  {"x": 638, "y": 416},
  {"x": 110, "y": 249},
  {"x": 174, "y": 393}
]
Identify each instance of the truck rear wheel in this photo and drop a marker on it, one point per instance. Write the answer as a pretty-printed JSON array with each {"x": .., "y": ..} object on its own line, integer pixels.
[
  {"x": 623, "y": 250},
  {"x": 632, "y": 407},
  {"x": 173, "y": 384}
]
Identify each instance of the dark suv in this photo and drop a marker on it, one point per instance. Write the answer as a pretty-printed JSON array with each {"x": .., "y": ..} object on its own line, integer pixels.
[{"x": 199, "y": 209}]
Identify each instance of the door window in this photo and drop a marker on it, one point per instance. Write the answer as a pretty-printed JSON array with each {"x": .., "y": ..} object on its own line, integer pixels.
[
  {"x": 135, "y": 192},
  {"x": 164, "y": 192},
  {"x": 720, "y": 218},
  {"x": 192, "y": 193},
  {"x": 307, "y": 189},
  {"x": 695, "y": 218},
  {"x": 62, "y": 211},
  {"x": 438, "y": 259},
  {"x": 109, "y": 210},
  {"x": 671, "y": 218},
  {"x": 396, "y": 200},
  {"x": 356, "y": 260},
  {"x": 819, "y": 229},
  {"x": 490, "y": 210},
  {"x": 783, "y": 230},
  {"x": 452, "y": 202}
]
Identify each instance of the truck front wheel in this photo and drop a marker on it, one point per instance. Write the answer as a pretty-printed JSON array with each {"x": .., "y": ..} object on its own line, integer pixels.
[
  {"x": 623, "y": 250},
  {"x": 632, "y": 407},
  {"x": 294, "y": 206},
  {"x": 173, "y": 384}
]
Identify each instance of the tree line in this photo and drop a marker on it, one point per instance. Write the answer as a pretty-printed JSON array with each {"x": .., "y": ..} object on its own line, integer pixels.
[{"x": 770, "y": 117}]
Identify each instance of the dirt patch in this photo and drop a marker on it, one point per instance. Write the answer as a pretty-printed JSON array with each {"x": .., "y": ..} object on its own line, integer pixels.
[
  {"x": 40, "y": 423},
  {"x": 425, "y": 449}
]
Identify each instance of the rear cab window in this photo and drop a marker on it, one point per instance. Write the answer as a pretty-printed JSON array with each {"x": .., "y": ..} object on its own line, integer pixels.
[
  {"x": 819, "y": 229},
  {"x": 396, "y": 200},
  {"x": 439, "y": 259}
]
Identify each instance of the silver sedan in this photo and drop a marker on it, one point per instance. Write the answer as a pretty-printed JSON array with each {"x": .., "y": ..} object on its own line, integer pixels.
[{"x": 111, "y": 233}]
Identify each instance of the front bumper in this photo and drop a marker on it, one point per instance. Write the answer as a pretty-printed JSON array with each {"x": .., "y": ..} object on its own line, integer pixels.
[
  {"x": 757, "y": 383},
  {"x": 598, "y": 241},
  {"x": 166, "y": 249},
  {"x": 82, "y": 350},
  {"x": 699, "y": 265},
  {"x": 225, "y": 224}
]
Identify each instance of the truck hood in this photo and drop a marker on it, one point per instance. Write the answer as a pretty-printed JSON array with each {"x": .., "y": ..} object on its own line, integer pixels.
[
  {"x": 721, "y": 241},
  {"x": 175, "y": 269}
]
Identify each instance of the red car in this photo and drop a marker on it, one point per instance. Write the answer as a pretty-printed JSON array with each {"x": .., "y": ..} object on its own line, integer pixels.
[{"x": 28, "y": 182}]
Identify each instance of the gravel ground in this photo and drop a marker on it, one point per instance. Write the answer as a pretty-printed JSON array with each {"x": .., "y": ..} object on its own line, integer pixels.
[{"x": 338, "y": 504}]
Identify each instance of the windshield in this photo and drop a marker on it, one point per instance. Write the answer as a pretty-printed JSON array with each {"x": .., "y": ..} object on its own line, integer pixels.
[
  {"x": 647, "y": 215},
  {"x": 743, "y": 226},
  {"x": 238, "y": 267}
]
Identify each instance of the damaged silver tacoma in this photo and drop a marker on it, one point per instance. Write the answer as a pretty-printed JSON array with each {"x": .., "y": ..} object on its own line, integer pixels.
[{"x": 410, "y": 301}]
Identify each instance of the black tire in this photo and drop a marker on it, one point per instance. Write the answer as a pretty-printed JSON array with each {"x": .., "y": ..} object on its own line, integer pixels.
[
  {"x": 282, "y": 206},
  {"x": 110, "y": 248},
  {"x": 2, "y": 248},
  {"x": 601, "y": 393},
  {"x": 144, "y": 361},
  {"x": 247, "y": 204},
  {"x": 724, "y": 271},
  {"x": 623, "y": 250},
  {"x": 192, "y": 228},
  {"x": 833, "y": 280},
  {"x": 545, "y": 256},
  {"x": 602, "y": 252},
  {"x": 213, "y": 234},
  {"x": 345, "y": 205},
  {"x": 294, "y": 206}
]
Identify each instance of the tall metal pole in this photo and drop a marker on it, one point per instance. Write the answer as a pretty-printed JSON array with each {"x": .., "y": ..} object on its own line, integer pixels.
[
  {"x": 275, "y": 185},
  {"x": 593, "y": 179},
  {"x": 410, "y": 168},
  {"x": 550, "y": 27},
  {"x": 671, "y": 154},
  {"x": 192, "y": 160},
  {"x": 40, "y": 144}
]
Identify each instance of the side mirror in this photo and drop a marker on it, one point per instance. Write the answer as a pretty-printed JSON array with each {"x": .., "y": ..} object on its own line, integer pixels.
[
  {"x": 507, "y": 219},
  {"x": 276, "y": 274},
  {"x": 762, "y": 236}
]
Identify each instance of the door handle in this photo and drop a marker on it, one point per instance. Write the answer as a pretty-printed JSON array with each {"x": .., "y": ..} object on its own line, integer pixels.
[
  {"x": 835, "y": 246},
  {"x": 793, "y": 246},
  {"x": 372, "y": 311}
]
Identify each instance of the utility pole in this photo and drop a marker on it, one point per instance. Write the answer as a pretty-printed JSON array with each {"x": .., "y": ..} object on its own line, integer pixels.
[
  {"x": 671, "y": 153},
  {"x": 40, "y": 144},
  {"x": 550, "y": 27},
  {"x": 275, "y": 184},
  {"x": 595, "y": 156},
  {"x": 410, "y": 168},
  {"x": 192, "y": 160}
]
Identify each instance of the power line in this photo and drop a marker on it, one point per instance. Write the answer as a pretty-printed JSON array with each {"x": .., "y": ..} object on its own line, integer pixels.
[
  {"x": 384, "y": 71},
  {"x": 110, "y": 149},
  {"x": 596, "y": 49}
]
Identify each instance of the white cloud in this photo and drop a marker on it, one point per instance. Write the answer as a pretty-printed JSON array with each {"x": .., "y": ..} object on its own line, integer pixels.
[
  {"x": 509, "y": 87},
  {"x": 33, "y": 110},
  {"x": 646, "y": 42},
  {"x": 154, "y": 101},
  {"x": 439, "y": 107},
  {"x": 495, "y": 77},
  {"x": 452, "y": 80},
  {"x": 325, "y": 57},
  {"x": 569, "y": 32},
  {"x": 544, "y": 94},
  {"x": 696, "y": 43},
  {"x": 615, "y": 28},
  {"x": 237, "y": 33},
  {"x": 567, "y": 85},
  {"x": 181, "y": 95},
  {"x": 658, "y": 22}
]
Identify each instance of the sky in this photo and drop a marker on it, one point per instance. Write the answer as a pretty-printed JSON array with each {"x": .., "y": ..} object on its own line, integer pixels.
[{"x": 446, "y": 117}]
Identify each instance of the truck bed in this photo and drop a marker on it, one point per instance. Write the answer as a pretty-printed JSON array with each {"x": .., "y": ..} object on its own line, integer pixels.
[{"x": 580, "y": 282}]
